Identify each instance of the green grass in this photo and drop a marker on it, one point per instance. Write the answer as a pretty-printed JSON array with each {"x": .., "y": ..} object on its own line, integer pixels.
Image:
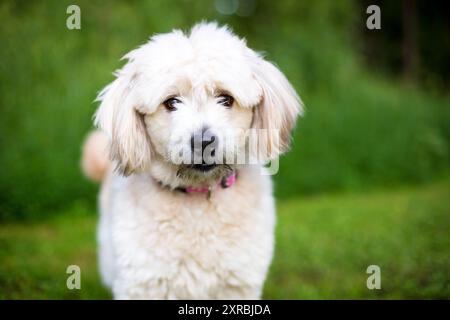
[
  {"x": 34, "y": 258},
  {"x": 324, "y": 245}
]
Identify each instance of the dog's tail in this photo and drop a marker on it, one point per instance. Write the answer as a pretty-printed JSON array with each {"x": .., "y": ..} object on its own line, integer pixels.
[{"x": 94, "y": 160}]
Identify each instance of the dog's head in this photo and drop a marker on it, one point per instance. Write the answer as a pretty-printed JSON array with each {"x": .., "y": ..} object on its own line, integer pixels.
[{"x": 183, "y": 106}]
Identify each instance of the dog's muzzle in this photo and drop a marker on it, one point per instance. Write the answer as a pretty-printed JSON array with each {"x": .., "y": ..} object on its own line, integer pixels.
[{"x": 203, "y": 148}]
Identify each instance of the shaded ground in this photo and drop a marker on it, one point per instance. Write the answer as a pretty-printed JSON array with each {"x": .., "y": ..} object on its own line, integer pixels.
[{"x": 324, "y": 245}]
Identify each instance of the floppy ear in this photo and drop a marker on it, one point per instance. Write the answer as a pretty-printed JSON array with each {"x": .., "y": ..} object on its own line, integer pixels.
[
  {"x": 118, "y": 116},
  {"x": 277, "y": 110}
]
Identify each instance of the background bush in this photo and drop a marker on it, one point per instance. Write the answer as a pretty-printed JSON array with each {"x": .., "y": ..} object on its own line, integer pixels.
[{"x": 363, "y": 128}]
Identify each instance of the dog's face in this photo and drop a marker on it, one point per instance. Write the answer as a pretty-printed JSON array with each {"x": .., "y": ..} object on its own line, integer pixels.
[
  {"x": 201, "y": 130},
  {"x": 183, "y": 105}
]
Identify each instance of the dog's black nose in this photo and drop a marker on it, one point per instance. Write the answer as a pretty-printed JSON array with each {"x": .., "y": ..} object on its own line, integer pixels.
[{"x": 204, "y": 145}]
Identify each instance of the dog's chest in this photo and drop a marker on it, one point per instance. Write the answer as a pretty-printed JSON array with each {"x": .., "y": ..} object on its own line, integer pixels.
[
  {"x": 183, "y": 246},
  {"x": 197, "y": 244},
  {"x": 204, "y": 231}
]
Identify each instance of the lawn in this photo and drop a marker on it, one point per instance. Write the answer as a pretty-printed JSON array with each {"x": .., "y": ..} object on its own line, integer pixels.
[{"x": 324, "y": 245}]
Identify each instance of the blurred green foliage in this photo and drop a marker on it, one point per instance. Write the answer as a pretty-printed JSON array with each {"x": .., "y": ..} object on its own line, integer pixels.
[{"x": 360, "y": 129}]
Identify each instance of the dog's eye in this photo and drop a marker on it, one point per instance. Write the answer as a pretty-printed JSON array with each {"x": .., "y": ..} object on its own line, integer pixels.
[
  {"x": 171, "y": 103},
  {"x": 225, "y": 100}
]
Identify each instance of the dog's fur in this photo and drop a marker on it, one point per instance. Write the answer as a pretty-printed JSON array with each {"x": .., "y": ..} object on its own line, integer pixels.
[{"x": 159, "y": 243}]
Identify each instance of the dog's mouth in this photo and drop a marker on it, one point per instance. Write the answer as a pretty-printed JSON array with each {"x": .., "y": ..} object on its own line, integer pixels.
[
  {"x": 203, "y": 171},
  {"x": 204, "y": 167}
]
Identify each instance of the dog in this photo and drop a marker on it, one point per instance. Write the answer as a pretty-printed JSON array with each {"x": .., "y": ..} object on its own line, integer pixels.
[{"x": 178, "y": 230}]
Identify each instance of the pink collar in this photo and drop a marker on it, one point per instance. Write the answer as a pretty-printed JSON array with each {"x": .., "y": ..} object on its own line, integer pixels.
[{"x": 225, "y": 182}]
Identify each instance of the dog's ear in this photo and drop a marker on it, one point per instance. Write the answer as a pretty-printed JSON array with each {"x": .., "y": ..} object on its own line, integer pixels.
[
  {"x": 277, "y": 111},
  {"x": 119, "y": 117}
]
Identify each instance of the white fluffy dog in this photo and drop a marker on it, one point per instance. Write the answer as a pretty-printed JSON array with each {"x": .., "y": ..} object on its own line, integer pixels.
[{"x": 179, "y": 230}]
